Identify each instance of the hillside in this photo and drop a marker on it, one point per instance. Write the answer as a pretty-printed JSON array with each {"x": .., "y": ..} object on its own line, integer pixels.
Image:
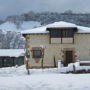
[
  {"x": 10, "y": 36},
  {"x": 9, "y": 26},
  {"x": 82, "y": 19}
]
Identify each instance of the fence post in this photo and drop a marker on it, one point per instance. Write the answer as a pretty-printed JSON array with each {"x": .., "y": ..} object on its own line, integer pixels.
[{"x": 74, "y": 68}]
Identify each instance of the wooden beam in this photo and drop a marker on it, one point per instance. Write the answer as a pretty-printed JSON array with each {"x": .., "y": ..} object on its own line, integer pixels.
[
  {"x": 2, "y": 61},
  {"x": 13, "y": 63}
]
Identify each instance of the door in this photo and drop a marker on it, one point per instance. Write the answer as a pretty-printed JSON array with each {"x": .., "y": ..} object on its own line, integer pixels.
[{"x": 68, "y": 57}]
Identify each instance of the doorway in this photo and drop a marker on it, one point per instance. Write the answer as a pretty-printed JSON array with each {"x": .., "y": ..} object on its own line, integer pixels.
[{"x": 68, "y": 57}]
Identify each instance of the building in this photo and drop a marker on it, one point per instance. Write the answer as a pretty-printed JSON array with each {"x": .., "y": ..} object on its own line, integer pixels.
[
  {"x": 11, "y": 57},
  {"x": 58, "y": 41}
]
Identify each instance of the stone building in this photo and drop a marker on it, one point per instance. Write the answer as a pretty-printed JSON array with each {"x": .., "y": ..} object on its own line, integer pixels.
[{"x": 58, "y": 41}]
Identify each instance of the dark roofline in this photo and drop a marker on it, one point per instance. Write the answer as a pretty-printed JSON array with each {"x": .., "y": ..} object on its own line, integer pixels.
[
  {"x": 11, "y": 56},
  {"x": 82, "y": 33},
  {"x": 24, "y": 35},
  {"x": 62, "y": 28}
]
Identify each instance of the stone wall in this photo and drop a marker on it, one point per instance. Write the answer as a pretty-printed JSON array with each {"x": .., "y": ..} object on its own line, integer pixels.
[{"x": 54, "y": 52}]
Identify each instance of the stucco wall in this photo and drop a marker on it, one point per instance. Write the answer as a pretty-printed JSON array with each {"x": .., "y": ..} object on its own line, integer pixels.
[
  {"x": 56, "y": 40},
  {"x": 67, "y": 40},
  {"x": 82, "y": 46},
  {"x": 39, "y": 39}
]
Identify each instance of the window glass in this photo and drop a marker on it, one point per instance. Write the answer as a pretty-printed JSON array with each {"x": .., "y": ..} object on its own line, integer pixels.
[
  {"x": 37, "y": 53},
  {"x": 70, "y": 34},
  {"x": 55, "y": 33},
  {"x": 19, "y": 61},
  {"x": 67, "y": 33},
  {"x": 61, "y": 33}
]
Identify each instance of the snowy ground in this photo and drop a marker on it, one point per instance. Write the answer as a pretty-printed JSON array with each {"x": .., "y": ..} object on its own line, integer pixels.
[{"x": 46, "y": 79}]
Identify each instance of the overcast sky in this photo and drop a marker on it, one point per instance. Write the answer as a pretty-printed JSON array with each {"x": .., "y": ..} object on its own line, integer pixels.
[{"x": 10, "y": 7}]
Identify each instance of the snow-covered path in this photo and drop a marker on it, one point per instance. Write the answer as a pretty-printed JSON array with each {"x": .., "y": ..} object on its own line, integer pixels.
[{"x": 47, "y": 79}]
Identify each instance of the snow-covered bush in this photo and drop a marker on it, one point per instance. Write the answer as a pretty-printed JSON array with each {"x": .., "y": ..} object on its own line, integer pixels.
[
  {"x": 60, "y": 64},
  {"x": 77, "y": 64}
]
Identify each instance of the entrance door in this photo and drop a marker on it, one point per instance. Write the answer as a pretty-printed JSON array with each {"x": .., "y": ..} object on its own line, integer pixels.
[{"x": 68, "y": 57}]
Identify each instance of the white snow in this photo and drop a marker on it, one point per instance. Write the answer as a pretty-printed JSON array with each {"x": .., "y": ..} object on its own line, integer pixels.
[
  {"x": 77, "y": 64},
  {"x": 12, "y": 52},
  {"x": 60, "y": 64},
  {"x": 29, "y": 24},
  {"x": 85, "y": 61},
  {"x": 66, "y": 69},
  {"x": 43, "y": 29},
  {"x": 82, "y": 29},
  {"x": 41, "y": 79},
  {"x": 86, "y": 68},
  {"x": 9, "y": 26},
  {"x": 71, "y": 66},
  {"x": 27, "y": 27},
  {"x": 35, "y": 30},
  {"x": 60, "y": 24}
]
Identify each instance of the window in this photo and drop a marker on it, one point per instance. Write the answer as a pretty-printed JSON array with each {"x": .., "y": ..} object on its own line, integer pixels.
[
  {"x": 61, "y": 33},
  {"x": 67, "y": 33},
  {"x": 37, "y": 54},
  {"x": 55, "y": 33}
]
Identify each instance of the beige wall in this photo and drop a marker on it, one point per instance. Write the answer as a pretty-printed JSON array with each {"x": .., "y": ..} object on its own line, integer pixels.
[
  {"x": 67, "y": 40},
  {"x": 56, "y": 40},
  {"x": 39, "y": 39},
  {"x": 82, "y": 46},
  {"x": 59, "y": 41},
  {"x": 81, "y": 49}
]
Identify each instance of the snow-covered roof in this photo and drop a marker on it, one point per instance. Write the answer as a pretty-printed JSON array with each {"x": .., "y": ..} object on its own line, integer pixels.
[
  {"x": 60, "y": 24},
  {"x": 12, "y": 52},
  {"x": 35, "y": 30},
  {"x": 82, "y": 29}
]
